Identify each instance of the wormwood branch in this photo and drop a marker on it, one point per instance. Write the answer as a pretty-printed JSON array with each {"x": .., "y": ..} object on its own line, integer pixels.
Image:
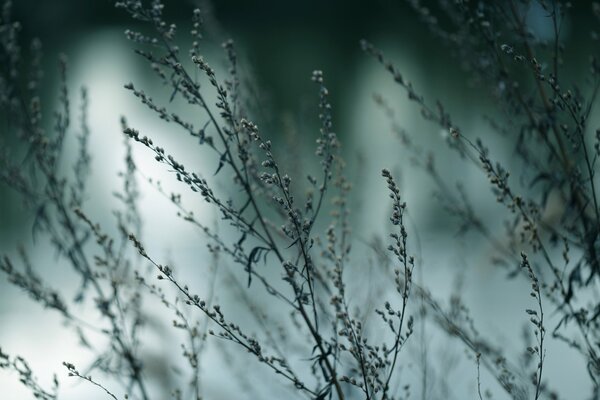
[
  {"x": 477, "y": 360},
  {"x": 527, "y": 210},
  {"x": 153, "y": 15},
  {"x": 499, "y": 178},
  {"x": 235, "y": 136},
  {"x": 454, "y": 200},
  {"x": 437, "y": 114},
  {"x": 537, "y": 319},
  {"x": 217, "y": 244},
  {"x": 230, "y": 331},
  {"x": 195, "y": 334},
  {"x": 403, "y": 286},
  {"x": 19, "y": 365},
  {"x": 73, "y": 372}
]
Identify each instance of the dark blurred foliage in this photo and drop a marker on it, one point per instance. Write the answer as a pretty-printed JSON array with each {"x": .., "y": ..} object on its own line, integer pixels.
[{"x": 282, "y": 42}]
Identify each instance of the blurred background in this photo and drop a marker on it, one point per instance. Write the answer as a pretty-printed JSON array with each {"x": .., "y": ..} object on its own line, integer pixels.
[{"x": 280, "y": 43}]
